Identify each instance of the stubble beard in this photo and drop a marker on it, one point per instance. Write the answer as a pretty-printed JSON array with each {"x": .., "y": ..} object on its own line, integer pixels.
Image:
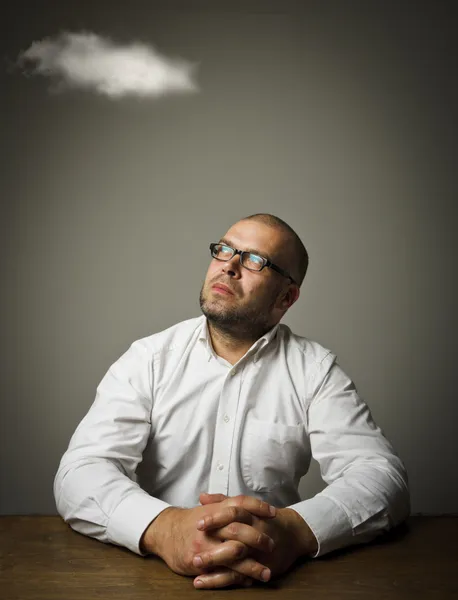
[{"x": 247, "y": 322}]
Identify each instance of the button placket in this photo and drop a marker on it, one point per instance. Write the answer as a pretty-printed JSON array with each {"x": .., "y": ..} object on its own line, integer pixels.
[{"x": 224, "y": 432}]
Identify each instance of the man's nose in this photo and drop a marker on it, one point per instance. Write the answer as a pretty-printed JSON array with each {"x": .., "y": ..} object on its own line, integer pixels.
[{"x": 232, "y": 267}]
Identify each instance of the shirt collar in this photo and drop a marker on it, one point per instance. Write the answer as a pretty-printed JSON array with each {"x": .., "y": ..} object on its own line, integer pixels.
[{"x": 269, "y": 336}]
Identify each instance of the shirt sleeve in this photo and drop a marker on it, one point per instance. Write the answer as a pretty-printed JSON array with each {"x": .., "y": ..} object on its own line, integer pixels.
[
  {"x": 367, "y": 492},
  {"x": 95, "y": 486}
]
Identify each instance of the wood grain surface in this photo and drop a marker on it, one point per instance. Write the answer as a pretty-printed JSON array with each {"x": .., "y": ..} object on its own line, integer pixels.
[{"x": 42, "y": 558}]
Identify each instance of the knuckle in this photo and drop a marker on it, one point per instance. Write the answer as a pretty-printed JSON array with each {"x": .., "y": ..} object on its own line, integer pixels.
[
  {"x": 207, "y": 560},
  {"x": 197, "y": 545},
  {"x": 233, "y": 513},
  {"x": 240, "y": 500},
  {"x": 233, "y": 529},
  {"x": 255, "y": 569},
  {"x": 244, "y": 513},
  {"x": 207, "y": 519},
  {"x": 187, "y": 560},
  {"x": 237, "y": 577},
  {"x": 239, "y": 550}
]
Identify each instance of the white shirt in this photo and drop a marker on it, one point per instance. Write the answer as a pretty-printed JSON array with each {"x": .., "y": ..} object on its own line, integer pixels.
[{"x": 171, "y": 419}]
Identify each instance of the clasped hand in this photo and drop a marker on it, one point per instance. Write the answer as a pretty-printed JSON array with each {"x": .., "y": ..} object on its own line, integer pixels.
[{"x": 226, "y": 541}]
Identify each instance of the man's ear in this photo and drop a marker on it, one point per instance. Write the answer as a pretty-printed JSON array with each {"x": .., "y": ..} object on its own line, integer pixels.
[{"x": 290, "y": 296}]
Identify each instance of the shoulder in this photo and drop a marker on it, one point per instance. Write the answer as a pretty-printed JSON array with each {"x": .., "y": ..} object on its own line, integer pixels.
[
  {"x": 312, "y": 352},
  {"x": 177, "y": 335}
]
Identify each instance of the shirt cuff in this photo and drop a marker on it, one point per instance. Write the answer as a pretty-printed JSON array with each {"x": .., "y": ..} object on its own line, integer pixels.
[
  {"x": 328, "y": 522},
  {"x": 130, "y": 519}
]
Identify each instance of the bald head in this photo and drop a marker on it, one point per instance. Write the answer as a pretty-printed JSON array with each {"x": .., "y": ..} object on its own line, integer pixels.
[{"x": 293, "y": 249}]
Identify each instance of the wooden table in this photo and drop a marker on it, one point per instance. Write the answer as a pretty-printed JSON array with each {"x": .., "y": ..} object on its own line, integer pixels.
[{"x": 42, "y": 558}]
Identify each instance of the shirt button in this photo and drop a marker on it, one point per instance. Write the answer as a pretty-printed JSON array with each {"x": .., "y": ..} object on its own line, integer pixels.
[
  {"x": 234, "y": 372},
  {"x": 220, "y": 467},
  {"x": 226, "y": 418}
]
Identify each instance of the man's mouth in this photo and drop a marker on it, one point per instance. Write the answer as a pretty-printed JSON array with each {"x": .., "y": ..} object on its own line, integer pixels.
[{"x": 222, "y": 289}]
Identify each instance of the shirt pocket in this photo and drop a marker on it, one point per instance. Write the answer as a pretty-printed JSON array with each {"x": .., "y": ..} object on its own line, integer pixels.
[{"x": 272, "y": 454}]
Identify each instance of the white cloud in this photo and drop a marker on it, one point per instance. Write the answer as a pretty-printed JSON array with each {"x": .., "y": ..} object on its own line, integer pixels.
[{"x": 89, "y": 61}]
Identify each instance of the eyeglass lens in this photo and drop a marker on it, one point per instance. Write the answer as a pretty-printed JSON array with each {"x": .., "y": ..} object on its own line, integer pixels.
[{"x": 249, "y": 260}]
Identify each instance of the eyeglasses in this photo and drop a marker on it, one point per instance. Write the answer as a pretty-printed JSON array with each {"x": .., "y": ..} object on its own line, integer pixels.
[{"x": 250, "y": 261}]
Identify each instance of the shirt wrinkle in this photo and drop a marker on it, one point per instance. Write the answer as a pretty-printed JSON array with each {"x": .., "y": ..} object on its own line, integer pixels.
[{"x": 251, "y": 428}]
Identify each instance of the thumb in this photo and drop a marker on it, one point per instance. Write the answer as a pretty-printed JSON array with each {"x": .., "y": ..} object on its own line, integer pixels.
[{"x": 206, "y": 498}]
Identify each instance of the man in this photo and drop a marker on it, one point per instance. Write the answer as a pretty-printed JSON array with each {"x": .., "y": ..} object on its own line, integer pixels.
[{"x": 198, "y": 436}]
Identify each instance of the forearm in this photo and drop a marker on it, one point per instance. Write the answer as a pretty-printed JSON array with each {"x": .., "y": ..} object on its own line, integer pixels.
[
  {"x": 96, "y": 499},
  {"x": 356, "y": 508},
  {"x": 367, "y": 490}
]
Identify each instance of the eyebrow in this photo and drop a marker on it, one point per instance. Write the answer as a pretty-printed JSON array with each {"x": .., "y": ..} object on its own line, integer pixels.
[{"x": 253, "y": 250}]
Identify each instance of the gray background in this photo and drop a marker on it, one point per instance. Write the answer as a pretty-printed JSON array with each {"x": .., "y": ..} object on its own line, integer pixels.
[{"x": 339, "y": 117}]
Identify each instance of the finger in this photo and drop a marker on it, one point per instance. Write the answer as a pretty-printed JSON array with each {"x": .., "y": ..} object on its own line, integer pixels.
[
  {"x": 206, "y": 498},
  {"x": 246, "y": 566},
  {"x": 223, "y": 554},
  {"x": 247, "y": 535},
  {"x": 253, "y": 505},
  {"x": 224, "y": 517},
  {"x": 221, "y": 578}
]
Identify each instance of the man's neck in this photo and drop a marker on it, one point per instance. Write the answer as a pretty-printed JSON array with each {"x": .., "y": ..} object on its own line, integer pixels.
[
  {"x": 227, "y": 345},
  {"x": 230, "y": 345}
]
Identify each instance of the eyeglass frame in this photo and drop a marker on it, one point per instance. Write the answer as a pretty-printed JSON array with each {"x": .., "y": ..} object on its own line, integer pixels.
[{"x": 266, "y": 262}]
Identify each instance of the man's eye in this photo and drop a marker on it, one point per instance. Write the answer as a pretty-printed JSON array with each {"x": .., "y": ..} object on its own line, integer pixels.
[
  {"x": 255, "y": 259},
  {"x": 252, "y": 261}
]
